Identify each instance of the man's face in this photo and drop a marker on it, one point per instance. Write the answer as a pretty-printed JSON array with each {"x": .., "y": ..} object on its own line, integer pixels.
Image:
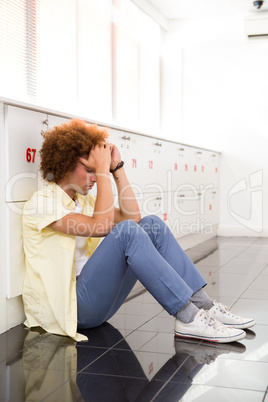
[{"x": 83, "y": 178}]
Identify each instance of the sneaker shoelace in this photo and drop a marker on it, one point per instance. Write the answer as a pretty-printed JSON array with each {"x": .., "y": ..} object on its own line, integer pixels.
[
  {"x": 223, "y": 309},
  {"x": 211, "y": 322}
]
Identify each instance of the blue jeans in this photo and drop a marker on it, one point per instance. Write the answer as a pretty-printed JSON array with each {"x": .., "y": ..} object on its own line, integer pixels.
[{"x": 146, "y": 251}]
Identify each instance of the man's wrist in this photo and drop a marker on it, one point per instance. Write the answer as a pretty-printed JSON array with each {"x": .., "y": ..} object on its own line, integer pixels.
[{"x": 118, "y": 166}]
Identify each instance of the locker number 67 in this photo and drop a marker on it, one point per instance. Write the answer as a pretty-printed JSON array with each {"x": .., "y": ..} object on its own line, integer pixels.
[{"x": 30, "y": 154}]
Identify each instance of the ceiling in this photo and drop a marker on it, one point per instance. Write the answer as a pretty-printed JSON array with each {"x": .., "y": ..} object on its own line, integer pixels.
[{"x": 177, "y": 9}]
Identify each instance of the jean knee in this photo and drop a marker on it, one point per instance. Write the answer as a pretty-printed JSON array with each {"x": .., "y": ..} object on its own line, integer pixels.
[
  {"x": 126, "y": 227},
  {"x": 152, "y": 220},
  {"x": 153, "y": 223}
]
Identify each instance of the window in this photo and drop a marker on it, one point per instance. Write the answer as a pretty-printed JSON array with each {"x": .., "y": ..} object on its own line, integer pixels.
[
  {"x": 13, "y": 49},
  {"x": 95, "y": 59},
  {"x": 99, "y": 59}
]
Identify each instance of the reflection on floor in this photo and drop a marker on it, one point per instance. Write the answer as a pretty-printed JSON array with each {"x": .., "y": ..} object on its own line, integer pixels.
[{"x": 135, "y": 357}]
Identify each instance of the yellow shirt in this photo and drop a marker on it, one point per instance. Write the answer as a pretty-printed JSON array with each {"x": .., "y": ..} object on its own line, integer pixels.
[{"x": 49, "y": 289}]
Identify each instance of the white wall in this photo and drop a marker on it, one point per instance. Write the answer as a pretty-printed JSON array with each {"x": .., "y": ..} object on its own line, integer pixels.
[
  {"x": 223, "y": 104},
  {"x": 2, "y": 227}
]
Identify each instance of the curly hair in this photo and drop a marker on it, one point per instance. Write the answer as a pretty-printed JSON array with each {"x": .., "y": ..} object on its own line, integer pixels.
[{"x": 64, "y": 144}]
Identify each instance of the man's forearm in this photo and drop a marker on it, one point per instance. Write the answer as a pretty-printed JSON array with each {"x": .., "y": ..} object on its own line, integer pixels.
[{"x": 129, "y": 208}]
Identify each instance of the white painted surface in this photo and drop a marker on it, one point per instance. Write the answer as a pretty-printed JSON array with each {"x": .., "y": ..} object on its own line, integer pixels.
[{"x": 224, "y": 84}]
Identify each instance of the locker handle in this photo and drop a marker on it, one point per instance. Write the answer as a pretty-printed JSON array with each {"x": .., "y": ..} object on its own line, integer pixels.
[
  {"x": 181, "y": 149},
  {"x": 158, "y": 144},
  {"x": 199, "y": 153},
  {"x": 126, "y": 138},
  {"x": 46, "y": 122}
]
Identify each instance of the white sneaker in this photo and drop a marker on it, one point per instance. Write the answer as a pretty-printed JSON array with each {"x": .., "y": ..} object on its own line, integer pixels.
[
  {"x": 224, "y": 314},
  {"x": 204, "y": 326}
]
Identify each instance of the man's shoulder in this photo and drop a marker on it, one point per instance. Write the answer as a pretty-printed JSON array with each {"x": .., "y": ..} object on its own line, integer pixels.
[{"x": 46, "y": 195}]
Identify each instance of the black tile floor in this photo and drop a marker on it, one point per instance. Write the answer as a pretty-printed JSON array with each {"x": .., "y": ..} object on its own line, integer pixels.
[{"x": 134, "y": 357}]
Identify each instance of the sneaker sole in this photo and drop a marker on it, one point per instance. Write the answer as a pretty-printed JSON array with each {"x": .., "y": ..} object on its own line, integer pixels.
[
  {"x": 211, "y": 339},
  {"x": 245, "y": 325}
]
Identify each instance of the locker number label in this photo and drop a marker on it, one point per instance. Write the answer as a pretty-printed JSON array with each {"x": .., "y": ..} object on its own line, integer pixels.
[
  {"x": 134, "y": 163},
  {"x": 30, "y": 155}
]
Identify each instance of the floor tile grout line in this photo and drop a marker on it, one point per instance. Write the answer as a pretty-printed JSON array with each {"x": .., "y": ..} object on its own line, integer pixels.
[
  {"x": 169, "y": 380},
  {"x": 136, "y": 329},
  {"x": 118, "y": 376},
  {"x": 252, "y": 282},
  {"x": 265, "y": 394},
  {"x": 150, "y": 340},
  {"x": 241, "y": 252},
  {"x": 221, "y": 266}
]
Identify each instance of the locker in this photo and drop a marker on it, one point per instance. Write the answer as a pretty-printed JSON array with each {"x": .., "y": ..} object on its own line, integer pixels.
[
  {"x": 213, "y": 169},
  {"x": 155, "y": 204},
  {"x": 197, "y": 167},
  {"x": 150, "y": 182},
  {"x": 157, "y": 165},
  {"x": 159, "y": 204},
  {"x": 186, "y": 208},
  {"x": 53, "y": 121},
  {"x": 149, "y": 167},
  {"x": 116, "y": 138},
  {"x": 181, "y": 159},
  {"x": 165, "y": 165},
  {"x": 133, "y": 156},
  {"x": 211, "y": 207},
  {"x": 15, "y": 254},
  {"x": 23, "y": 139},
  {"x": 130, "y": 147}
]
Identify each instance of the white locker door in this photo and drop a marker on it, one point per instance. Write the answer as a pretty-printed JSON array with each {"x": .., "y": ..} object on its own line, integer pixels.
[
  {"x": 151, "y": 204},
  {"x": 133, "y": 156},
  {"x": 150, "y": 179},
  {"x": 165, "y": 163},
  {"x": 197, "y": 167},
  {"x": 213, "y": 168},
  {"x": 130, "y": 147},
  {"x": 157, "y": 204},
  {"x": 186, "y": 211},
  {"x": 23, "y": 137},
  {"x": 211, "y": 208},
  {"x": 181, "y": 174},
  {"x": 117, "y": 137},
  {"x": 14, "y": 249},
  {"x": 53, "y": 121}
]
